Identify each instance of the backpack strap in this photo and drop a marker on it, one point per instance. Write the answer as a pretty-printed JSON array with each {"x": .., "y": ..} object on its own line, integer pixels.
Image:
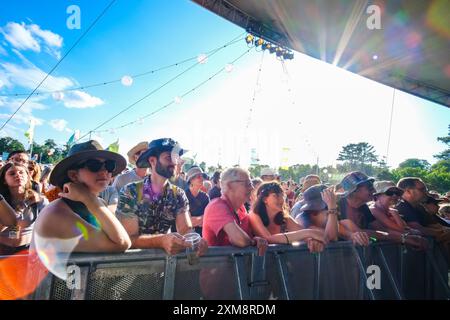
[{"x": 140, "y": 190}]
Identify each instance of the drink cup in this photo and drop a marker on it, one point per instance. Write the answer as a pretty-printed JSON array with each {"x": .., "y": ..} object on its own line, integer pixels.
[{"x": 191, "y": 252}]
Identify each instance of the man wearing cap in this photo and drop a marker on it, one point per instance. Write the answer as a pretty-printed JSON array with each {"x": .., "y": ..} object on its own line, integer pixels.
[
  {"x": 386, "y": 196},
  {"x": 356, "y": 218},
  {"x": 151, "y": 208},
  {"x": 431, "y": 205},
  {"x": 198, "y": 200},
  {"x": 137, "y": 173},
  {"x": 267, "y": 174}
]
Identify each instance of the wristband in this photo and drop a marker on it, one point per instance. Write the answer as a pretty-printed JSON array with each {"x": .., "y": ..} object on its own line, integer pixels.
[{"x": 287, "y": 239}]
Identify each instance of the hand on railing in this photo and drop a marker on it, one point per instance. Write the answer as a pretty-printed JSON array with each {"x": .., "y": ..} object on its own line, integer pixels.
[
  {"x": 315, "y": 245},
  {"x": 261, "y": 244},
  {"x": 360, "y": 238},
  {"x": 174, "y": 243},
  {"x": 416, "y": 242}
]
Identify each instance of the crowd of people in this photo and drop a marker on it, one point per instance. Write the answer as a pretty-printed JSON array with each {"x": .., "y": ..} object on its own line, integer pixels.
[{"x": 90, "y": 196}]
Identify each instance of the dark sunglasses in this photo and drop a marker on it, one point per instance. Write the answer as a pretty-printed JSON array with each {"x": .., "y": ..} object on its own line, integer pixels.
[
  {"x": 95, "y": 165},
  {"x": 391, "y": 193}
]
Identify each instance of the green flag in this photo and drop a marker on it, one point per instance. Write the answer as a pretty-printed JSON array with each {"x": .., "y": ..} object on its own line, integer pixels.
[
  {"x": 73, "y": 138},
  {"x": 30, "y": 132},
  {"x": 114, "y": 147}
]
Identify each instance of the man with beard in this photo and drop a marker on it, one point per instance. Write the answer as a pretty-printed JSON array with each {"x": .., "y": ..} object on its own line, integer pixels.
[{"x": 151, "y": 208}]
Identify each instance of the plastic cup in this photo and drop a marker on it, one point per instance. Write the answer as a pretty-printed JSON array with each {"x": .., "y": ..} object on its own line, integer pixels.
[{"x": 191, "y": 251}]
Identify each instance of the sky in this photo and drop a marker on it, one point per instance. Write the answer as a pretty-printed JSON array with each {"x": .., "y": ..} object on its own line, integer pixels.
[{"x": 297, "y": 111}]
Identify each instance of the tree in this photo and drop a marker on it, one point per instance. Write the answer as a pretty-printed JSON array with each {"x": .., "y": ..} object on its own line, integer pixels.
[
  {"x": 357, "y": 155},
  {"x": 444, "y": 155},
  {"x": 8, "y": 144},
  {"x": 409, "y": 172},
  {"x": 415, "y": 163}
]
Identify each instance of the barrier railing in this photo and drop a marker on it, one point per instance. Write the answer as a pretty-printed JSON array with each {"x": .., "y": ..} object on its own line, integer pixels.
[{"x": 342, "y": 271}]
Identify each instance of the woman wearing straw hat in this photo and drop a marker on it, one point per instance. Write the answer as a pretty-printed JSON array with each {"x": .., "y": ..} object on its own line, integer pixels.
[{"x": 79, "y": 214}]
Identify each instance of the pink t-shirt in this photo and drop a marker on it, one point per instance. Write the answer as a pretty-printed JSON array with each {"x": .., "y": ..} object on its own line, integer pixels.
[{"x": 219, "y": 213}]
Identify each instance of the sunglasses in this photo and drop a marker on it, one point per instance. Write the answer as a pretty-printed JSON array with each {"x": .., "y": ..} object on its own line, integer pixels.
[
  {"x": 95, "y": 165},
  {"x": 391, "y": 193}
]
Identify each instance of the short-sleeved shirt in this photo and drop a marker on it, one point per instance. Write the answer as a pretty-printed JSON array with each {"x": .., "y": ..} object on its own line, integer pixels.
[
  {"x": 409, "y": 213},
  {"x": 29, "y": 215},
  {"x": 364, "y": 218},
  {"x": 110, "y": 195},
  {"x": 125, "y": 178},
  {"x": 197, "y": 205},
  {"x": 215, "y": 192},
  {"x": 219, "y": 213},
  {"x": 155, "y": 215}
]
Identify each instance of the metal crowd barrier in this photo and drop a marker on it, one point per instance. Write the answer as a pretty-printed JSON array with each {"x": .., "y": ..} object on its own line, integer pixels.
[{"x": 342, "y": 271}]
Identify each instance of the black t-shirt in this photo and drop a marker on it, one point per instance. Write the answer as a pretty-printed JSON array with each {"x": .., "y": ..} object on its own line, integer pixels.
[
  {"x": 364, "y": 219},
  {"x": 409, "y": 213},
  {"x": 215, "y": 192},
  {"x": 197, "y": 205}
]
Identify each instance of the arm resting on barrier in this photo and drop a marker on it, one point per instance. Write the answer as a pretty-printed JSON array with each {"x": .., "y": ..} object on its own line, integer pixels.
[
  {"x": 58, "y": 221},
  {"x": 295, "y": 233},
  {"x": 237, "y": 236},
  {"x": 435, "y": 230},
  {"x": 7, "y": 214}
]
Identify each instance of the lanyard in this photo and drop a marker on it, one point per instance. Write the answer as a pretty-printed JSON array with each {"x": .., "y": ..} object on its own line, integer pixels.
[{"x": 228, "y": 202}]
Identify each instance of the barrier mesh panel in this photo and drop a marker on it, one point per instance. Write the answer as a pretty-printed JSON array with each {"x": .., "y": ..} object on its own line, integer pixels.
[
  {"x": 144, "y": 281},
  {"x": 60, "y": 291},
  {"x": 213, "y": 278},
  {"x": 338, "y": 277}
]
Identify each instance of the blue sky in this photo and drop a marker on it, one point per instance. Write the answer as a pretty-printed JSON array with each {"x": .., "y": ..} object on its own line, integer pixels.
[{"x": 325, "y": 108}]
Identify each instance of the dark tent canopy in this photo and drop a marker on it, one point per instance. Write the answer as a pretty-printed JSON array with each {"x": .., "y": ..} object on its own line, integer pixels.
[{"x": 410, "y": 51}]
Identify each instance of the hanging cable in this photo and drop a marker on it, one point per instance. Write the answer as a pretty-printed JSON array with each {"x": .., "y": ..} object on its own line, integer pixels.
[
  {"x": 291, "y": 97},
  {"x": 161, "y": 108},
  {"x": 390, "y": 127},
  {"x": 61, "y": 60},
  {"x": 103, "y": 83}
]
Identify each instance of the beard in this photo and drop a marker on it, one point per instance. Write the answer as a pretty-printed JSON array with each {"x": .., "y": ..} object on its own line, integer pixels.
[{"x": 164, "y": 171}]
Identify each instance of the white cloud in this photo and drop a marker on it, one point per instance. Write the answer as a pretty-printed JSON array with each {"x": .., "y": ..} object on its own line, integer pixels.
[
  {"x": 79, "y": 99},
  {"x": 50, "y": 38},
  {"x": 20, "y": 37},
  {"x": 30, "y": 76},
  {"x": 32, "y": 37},
  {"x": 25, "y": 114},
  {"x": 58, "y": 124}
]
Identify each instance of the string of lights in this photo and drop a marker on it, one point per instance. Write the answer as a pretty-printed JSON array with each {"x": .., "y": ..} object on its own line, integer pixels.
[
  {"x": 58, "y": 63},
  {"x": 141, "y": 119},
  {"x": 280, "y": 52},
  {"x": 292, "y": 99},
  {"x": 257, "y": 86},
  {"x": 133, "y": 76}
]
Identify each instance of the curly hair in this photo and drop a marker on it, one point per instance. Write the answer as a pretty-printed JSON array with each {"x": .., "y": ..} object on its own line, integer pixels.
[{"x": 259, "y": 207}]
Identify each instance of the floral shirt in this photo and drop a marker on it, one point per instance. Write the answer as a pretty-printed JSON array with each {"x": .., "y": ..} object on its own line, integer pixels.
[{"x": 156, "y": 214}]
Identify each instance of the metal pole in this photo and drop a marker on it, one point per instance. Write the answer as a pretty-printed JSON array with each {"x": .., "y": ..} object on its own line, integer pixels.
[{"x": 398, "y": 294}]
